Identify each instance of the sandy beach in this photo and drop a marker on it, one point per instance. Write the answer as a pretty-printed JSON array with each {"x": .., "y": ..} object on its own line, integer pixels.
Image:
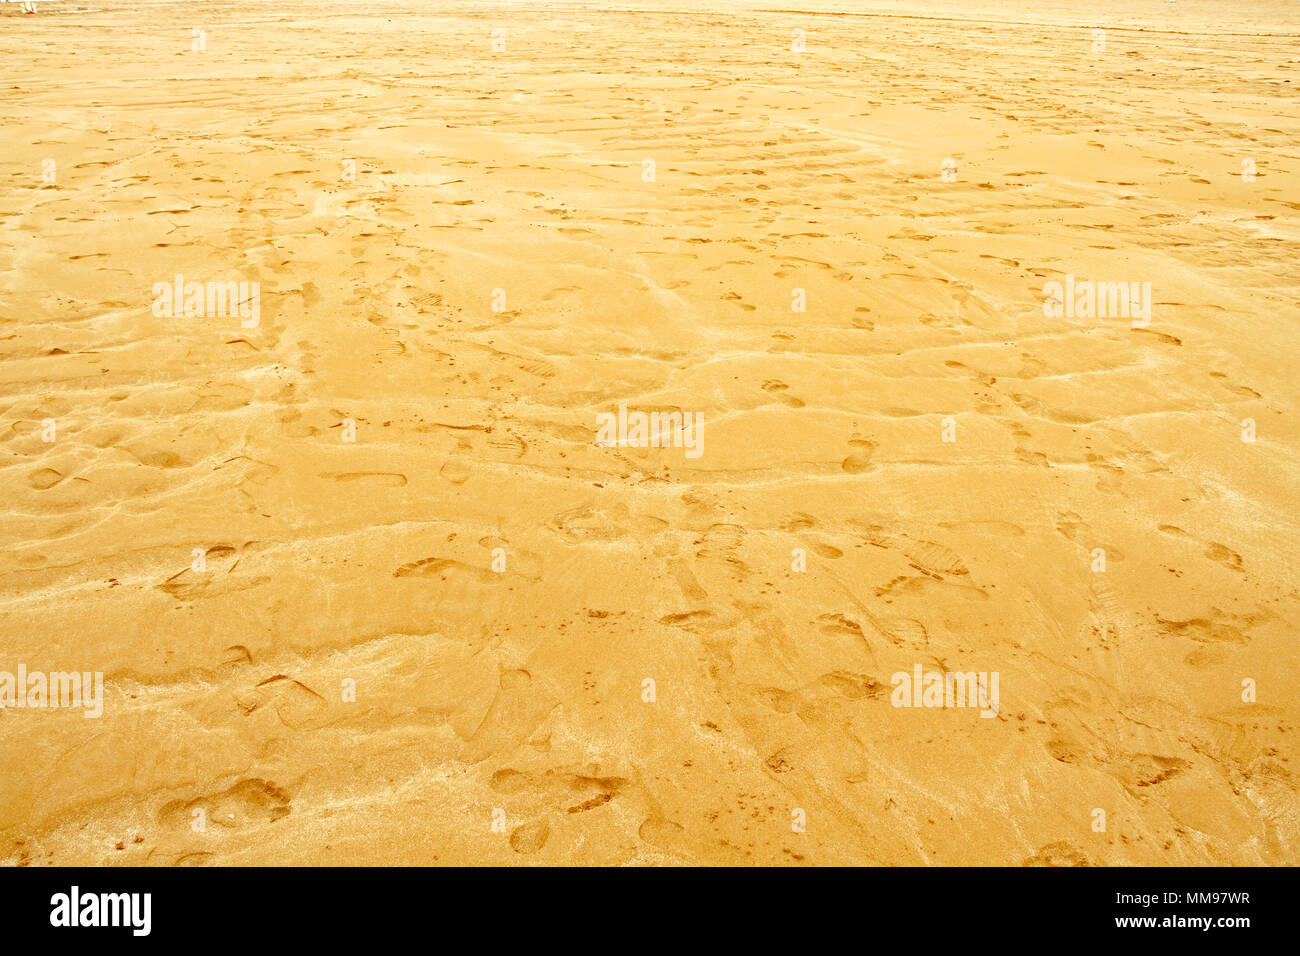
[{"x": 326, "y": 330}]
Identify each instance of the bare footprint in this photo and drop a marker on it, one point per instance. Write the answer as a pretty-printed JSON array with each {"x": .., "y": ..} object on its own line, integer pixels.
[{"x": 859, "y": 457}]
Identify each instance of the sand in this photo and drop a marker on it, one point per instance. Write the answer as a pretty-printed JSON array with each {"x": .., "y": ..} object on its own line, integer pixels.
[{"x": 364, "y": 588}]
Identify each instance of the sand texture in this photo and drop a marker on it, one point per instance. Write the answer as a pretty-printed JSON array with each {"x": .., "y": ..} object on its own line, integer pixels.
[{"x": 363, "y": 585}]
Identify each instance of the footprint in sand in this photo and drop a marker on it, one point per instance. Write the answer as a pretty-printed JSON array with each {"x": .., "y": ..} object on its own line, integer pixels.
[
  {"x": 250, "y": 802},
  {"x": 569, "y": 792},
  {"x": 1224, "y": 555},
  {"x": 455, "y": 470},
  {"x": 442, "y": 567},
  {"x": 520, "y": 706},
  {"x": 777, "y": 390},
  {"x": 44, "y": 479},
  {"x": 530, "y": 837},
  {"x": 1215, "y": 551},
  {"x": 859, "y": 457},
  {"x": 292, "y": 702}
]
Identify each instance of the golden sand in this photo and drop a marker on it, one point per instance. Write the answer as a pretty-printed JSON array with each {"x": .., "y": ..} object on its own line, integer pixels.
[{"x": 364, "y": 587}]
